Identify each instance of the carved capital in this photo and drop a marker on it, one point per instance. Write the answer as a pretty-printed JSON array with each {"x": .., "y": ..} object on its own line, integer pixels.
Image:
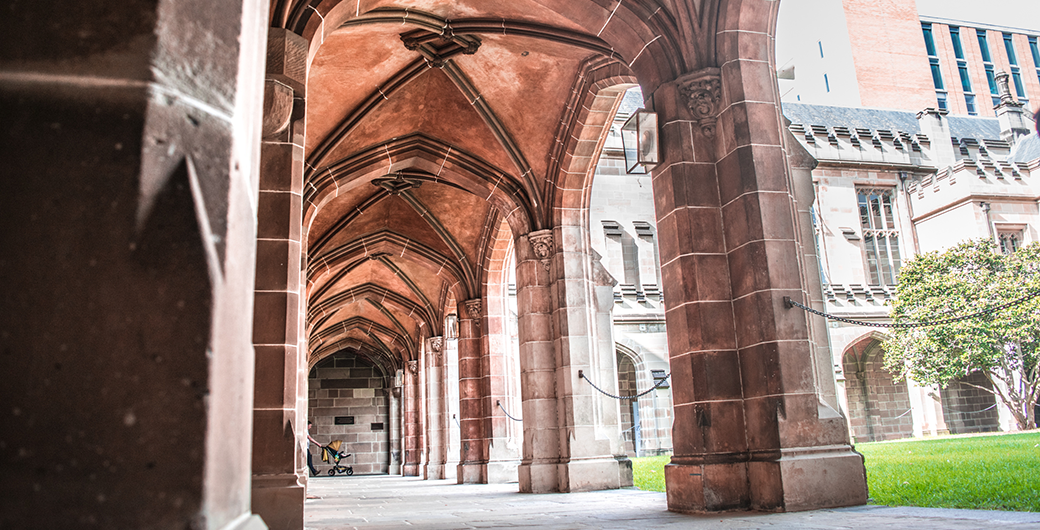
[
  {"x": 413, "y": 367},
  {"x": 542, "y": 246},
  {"x": 436, "y": 343},
  {"x": 701, "y": 93},
  {"x": 473, "y": 308}
]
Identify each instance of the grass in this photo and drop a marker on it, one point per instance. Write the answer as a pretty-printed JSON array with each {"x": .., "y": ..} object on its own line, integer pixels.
[
  {"x": 989, "y": 472},
  {"x": 648, "y": 472},
  {"x": 996, "y": 472}
]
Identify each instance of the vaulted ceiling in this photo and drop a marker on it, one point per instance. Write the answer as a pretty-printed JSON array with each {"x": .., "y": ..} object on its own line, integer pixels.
[{"x": 430, "y": 123}]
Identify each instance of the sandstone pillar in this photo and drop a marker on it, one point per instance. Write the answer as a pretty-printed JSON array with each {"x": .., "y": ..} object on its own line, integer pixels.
[
  {"x": 436, "y": 427},
  {"x": 453, "y": 441},
  {"x": 411, "y": 422},
  {"x": 279, "y": 457},
  {"x": 750, "y": 428},
  {"x": 127, "y": 203},
  {"x": 591, "y": 453},
  {"x": 501, "y": 381},
  {"x": 538, "y": 471},
  {"x": 395, "y": 423},
  {"x": 472, "y": 467},
  {"x": 800, "y": 164}
]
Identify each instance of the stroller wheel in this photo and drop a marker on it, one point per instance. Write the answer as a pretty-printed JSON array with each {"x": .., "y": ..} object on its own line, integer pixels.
[
  {"x": 332, "y": 472},
  {"x": 350, "y": 471}
]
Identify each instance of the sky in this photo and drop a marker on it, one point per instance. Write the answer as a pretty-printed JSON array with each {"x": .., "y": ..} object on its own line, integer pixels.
[{"x": 1021, "y": 14}]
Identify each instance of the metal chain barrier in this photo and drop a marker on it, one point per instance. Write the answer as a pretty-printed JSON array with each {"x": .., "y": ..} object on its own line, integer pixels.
[
  {"x": 581, "y": 375},
  {"x": 788, "y": 302},
  {"x": 504, "y": 411}
]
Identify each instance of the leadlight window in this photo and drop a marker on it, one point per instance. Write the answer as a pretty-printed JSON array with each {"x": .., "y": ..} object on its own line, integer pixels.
[
  {"x": 1010, "y": 240},
  {"x": 877, "y": 218}
]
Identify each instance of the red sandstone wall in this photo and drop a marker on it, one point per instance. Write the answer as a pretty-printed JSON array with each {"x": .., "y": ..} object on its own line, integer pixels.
[{"x": 889, "y": 54}]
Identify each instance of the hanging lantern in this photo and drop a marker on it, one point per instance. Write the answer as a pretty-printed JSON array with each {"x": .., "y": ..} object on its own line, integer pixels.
[{"x": 639, "y": 140}]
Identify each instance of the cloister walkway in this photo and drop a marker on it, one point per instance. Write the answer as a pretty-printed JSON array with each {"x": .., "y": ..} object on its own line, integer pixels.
[{"x": 383, "y": 502}]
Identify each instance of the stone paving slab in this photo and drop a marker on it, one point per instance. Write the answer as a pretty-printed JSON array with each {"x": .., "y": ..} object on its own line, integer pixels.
[{"x": 385, "y": 502}]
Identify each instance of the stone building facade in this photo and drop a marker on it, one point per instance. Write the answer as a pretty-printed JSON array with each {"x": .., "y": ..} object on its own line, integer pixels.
[{"x": 909, "y": 161}]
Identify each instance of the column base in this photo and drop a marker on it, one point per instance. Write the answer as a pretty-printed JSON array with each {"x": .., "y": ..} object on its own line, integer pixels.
[
  {"x": 538, "y": 477},
  {"x": 472, "y": 473},
  {"x": 603, "y": 473},
  {"x": 809, "y": 478},
  {"x": 789, "y": 480},
  {"x": 700, "y": 488},
  {"x": 410, "y": 470},
  {"x": 434, "y": 472},
  {"x": 503, "y": 471},
  {"x": 278, "y": 500}
]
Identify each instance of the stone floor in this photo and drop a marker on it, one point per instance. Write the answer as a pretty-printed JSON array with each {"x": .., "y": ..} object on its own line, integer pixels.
[{"x": 401, "y": 502}]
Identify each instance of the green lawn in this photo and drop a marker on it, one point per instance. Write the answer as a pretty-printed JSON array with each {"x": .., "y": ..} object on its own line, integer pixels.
[
  {"x": 648, "y": 472},
  {"x": 995, "y": 472}
]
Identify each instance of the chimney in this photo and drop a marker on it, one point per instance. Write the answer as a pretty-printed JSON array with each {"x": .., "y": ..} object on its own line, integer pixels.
[{"x": 1014, "y": 124}]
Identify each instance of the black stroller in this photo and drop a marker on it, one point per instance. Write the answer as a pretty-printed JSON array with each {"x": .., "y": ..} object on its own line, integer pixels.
[{"x": 331, "y": 454}]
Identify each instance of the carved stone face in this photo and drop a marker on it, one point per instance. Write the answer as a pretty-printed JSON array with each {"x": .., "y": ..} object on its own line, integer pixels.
[{"x": 541, "y": 249}]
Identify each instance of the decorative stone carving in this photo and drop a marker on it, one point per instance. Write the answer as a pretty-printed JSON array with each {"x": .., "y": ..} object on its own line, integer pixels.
[
  {"x": 413, "y": 367},
  {"x": 436, "y": 344},
  {"x": 396, "y": 183},
  {"x": 701, "y": 92},
  {"x": 473, "y": 308},
  {"x": 1004, "y": 89},
  {"x": 542, "y": 246}
]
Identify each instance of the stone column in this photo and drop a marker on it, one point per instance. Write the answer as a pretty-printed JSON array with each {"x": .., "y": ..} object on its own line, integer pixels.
[
  {"x": 538, "y": 471},
  {"x": 436, "y": 436},
  {"x": 453, "y": 441},
  {"x": 127, "y": 204},
  {"x": 750, "y": 428},
  {"x": 279, "y": 457},
  {"x": 800, "y": 165},
  {"x": 473, "y": 459},
  {"x": 395, "y": 423},
  {"x": 500, "y": 382},
  {"x": 592, "y": 456},
  {"x": 411, "y": 422}
]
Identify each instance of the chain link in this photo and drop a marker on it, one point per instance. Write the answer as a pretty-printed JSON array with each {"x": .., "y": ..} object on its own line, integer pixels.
[
  {"x": 1032, "y": 294},
  {"x": 499, "y": 403},
  {"x": 581, "y": 374}
]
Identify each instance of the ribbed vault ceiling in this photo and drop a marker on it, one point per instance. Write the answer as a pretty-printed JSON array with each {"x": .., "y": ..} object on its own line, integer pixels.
[{"x": 428, "y": 124}]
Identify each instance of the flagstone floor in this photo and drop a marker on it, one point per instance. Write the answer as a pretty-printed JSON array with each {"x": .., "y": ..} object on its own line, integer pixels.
[{"x": 386, "y": 502}]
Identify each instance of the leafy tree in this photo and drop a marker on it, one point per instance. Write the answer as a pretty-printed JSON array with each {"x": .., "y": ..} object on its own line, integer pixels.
[{"x": 1004, "y": 345}]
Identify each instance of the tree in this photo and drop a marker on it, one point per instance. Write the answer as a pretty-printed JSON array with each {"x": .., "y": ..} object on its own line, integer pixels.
[{"x": 1004, "y": 344}]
